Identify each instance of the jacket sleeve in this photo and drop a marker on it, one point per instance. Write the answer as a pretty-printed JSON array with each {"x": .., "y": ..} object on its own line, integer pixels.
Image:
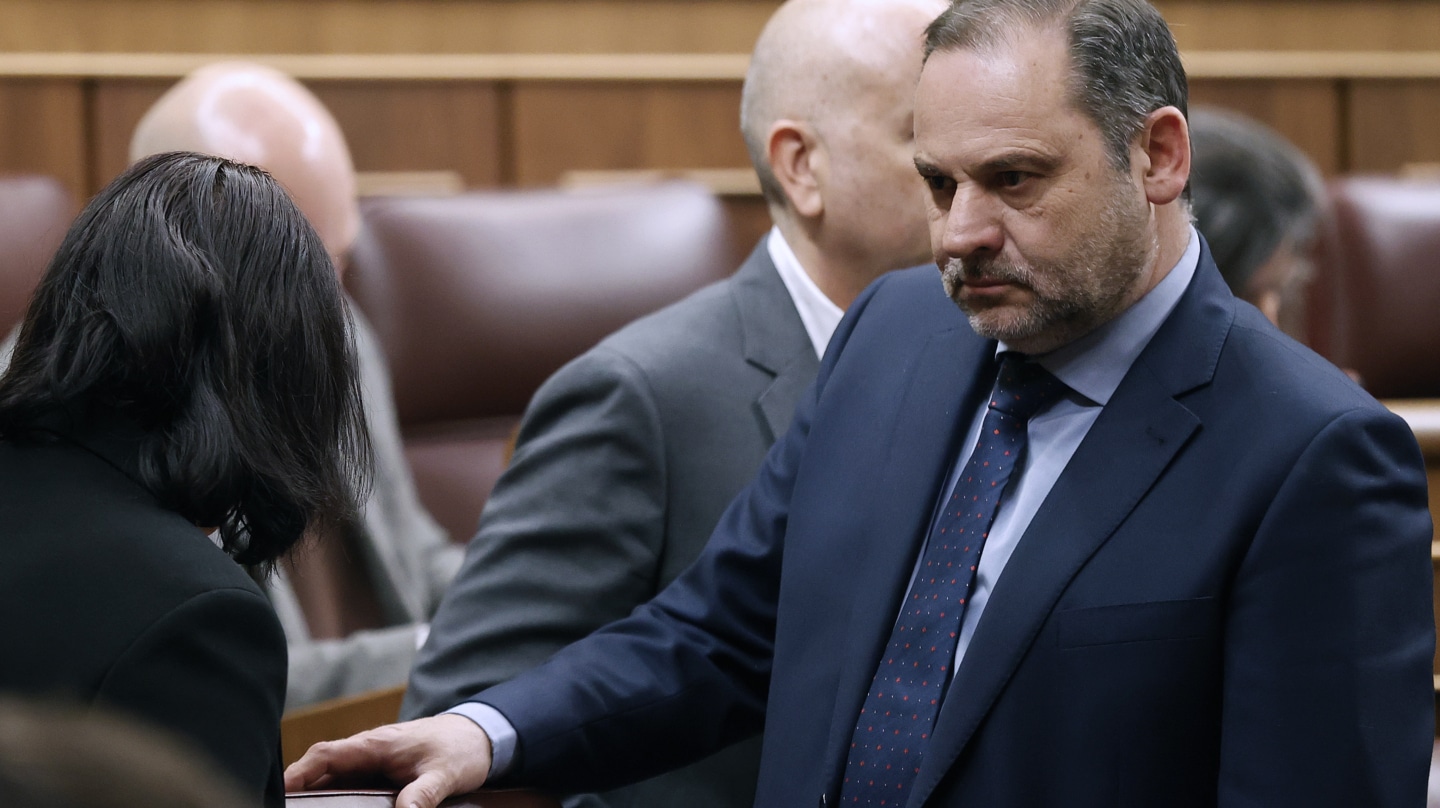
[
  {"x": 570, "y": 538},
  {"x": 1328, "y": 695},
  {"x": 213, "y": 671},
  {"x": 411, "y": 556},
  {"x": 686, "y": 673}
]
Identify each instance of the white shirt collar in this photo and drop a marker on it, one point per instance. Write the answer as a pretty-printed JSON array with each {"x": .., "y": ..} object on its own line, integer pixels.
[{"x": 818, "y": 313}]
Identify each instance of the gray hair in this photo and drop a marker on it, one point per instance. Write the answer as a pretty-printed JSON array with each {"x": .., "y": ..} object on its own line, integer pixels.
[
  {"x": 1251, "y": 190},
  {"x": 1124, "y": 61}
]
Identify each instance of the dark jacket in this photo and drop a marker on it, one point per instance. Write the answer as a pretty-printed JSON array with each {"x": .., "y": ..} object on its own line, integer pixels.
[{"x": 111, "y": 600}]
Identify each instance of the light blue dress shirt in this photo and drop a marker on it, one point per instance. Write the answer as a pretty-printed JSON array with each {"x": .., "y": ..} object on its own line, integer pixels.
[{"x": 1091, "y": 367}]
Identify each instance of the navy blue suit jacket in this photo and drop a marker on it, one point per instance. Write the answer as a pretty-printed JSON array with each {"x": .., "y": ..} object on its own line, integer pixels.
[{"x": 1225, "y": 599}]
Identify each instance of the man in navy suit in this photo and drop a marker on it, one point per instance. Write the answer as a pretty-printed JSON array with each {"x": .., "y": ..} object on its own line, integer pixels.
[{"x": 1206, "y": 583}]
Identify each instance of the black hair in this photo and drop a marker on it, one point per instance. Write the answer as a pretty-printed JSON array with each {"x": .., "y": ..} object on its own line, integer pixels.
[{"x": 192, "y": 299}]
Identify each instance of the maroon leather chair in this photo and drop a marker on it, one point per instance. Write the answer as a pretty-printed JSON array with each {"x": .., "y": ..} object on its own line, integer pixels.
[
  {"x": 479, "y": 297},
  {"x": 1374, "y": 304},
  {"x": 35, "y": 212}
]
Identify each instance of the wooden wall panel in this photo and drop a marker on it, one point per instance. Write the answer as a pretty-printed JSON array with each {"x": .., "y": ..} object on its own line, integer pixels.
[
  {"x": 1355, "y": 25},
  {"x": 749, "y": 220},
  {"x": 44, "y": 130},
  {"x": 613, "y": 26},
  {"x": 1393, "y": 123},
  {"x": 564, "y": 126},
  {"x": 117, "y": 106},
  {"x": 420, "y": 126},
  {"x": 1308, "y": 112},
  {"x": 383, "y": 26}
]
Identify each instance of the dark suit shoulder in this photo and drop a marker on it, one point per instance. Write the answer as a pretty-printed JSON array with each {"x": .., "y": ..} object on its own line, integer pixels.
[
  {"x": 1289, "y": 381},
  {"x": 894, "y": 314},
  {"x": 916, "y": 294}
]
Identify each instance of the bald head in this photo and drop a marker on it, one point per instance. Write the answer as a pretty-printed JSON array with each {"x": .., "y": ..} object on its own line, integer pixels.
[
  {"x": 818, "y": 60},
  {"x": 828, "y": 118},
  {"x": 258, "y": 115}
]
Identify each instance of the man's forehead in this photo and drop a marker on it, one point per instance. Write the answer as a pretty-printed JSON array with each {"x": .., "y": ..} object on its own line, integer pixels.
[
  {"x": 996, "y": 87},
  {"x": 984, "y": 111}
]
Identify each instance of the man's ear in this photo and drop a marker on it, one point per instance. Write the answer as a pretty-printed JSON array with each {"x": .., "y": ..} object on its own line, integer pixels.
[
  {"x": 798, "y": 161},
  {"x": 1165, "y": 150}
]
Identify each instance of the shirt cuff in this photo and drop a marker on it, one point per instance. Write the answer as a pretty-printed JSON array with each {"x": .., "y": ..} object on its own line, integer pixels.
[{"x": 502, "y": 734}]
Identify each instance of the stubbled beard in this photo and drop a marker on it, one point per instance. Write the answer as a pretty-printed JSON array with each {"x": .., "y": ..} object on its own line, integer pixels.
[{"x": 1073, "y": 294}]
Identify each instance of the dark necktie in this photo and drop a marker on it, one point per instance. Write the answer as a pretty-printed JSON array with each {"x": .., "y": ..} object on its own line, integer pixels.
[{"x": 904, "y": 698}]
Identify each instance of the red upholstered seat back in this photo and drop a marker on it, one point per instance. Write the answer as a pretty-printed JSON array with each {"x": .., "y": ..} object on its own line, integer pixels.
[
  {"x": 1374, "y": 306},
  {"x": 35, "y": 212},
  {"x": 478, "y": 298}
]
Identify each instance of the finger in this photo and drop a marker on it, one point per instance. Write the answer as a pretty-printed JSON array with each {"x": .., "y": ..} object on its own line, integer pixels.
[
  {"x": 326, "y": 759},
  {"x": 426, "y": 792},
  {"x": 306, "y": 772}
]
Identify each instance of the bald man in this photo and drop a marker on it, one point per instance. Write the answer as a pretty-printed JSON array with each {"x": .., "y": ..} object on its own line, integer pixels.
[
  {"x": 628, "y": 455},
  {"x": 257, "y": 115}
]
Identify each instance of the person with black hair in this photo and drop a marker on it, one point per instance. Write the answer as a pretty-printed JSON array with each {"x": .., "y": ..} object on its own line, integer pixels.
[
  {"x": 1256, "y": 198},
  {"x": 184, "y": 367}
]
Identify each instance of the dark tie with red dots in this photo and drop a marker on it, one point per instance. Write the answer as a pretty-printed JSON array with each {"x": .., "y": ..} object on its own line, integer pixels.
[{"x": 899, "y": 712}]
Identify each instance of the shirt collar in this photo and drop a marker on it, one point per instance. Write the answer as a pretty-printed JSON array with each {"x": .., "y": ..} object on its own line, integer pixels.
[
  {"x": 818, "y": 313},
  {"x": 1094, "y": 365}
]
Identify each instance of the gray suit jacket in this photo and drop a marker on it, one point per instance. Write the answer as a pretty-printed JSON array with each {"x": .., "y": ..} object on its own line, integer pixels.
[
  {"x": 625, "y": 459},
  {"x": 407, "y": 555}
]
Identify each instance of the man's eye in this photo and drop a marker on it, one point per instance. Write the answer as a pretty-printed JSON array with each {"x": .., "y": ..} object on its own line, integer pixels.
[
  {"x": 937, "y": 182},
  {"x": 1010, "y": 179}
]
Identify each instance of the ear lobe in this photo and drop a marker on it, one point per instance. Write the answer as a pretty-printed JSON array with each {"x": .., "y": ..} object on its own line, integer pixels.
[
  {"x": 798, "y": 163},
  {"x": 1166, "y": 143}
]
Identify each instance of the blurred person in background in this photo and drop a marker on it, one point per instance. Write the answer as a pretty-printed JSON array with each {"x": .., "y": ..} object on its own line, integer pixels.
[
  {"x": 184, "y": 369},
  {"x": 258, "y": 115},
  {"x": 63, "y": 756},
  {"x": 1256, "y": 199}
]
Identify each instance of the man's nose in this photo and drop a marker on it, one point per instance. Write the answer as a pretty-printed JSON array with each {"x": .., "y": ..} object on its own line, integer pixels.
[{"x": 972, "y": 227}]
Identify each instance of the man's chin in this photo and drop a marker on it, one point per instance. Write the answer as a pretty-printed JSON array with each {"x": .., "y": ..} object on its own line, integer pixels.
[{"x": 1001, "y": 323}]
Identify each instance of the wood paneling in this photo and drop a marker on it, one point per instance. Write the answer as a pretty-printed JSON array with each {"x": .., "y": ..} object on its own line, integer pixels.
[
  {"x": 749, "y": 220},
  {"x": 564, "y": 126},
  {"x": 1393, "y": 123},
  {"x": 505, "y": 120},
  {"x": 44, "y": 130},
  {"x": 657, "y": 67},
  {"x": 1303, "y": 24},
  {"x": 420, "y": 126},
  {"x": 117, "y": 106},
  {"x": 384, "y": 26},
  {"x": 614, "y": 26},
  {"x": 1308, "y": 112}
]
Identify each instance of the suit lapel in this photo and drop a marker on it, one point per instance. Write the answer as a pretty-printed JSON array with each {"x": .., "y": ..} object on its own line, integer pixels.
[
  {"x": 1081, "y": 512},
  {"x": 1135, "y": 438},
  {"x": 774, "y": 339},
  {"x": 955, "y": 369}
]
